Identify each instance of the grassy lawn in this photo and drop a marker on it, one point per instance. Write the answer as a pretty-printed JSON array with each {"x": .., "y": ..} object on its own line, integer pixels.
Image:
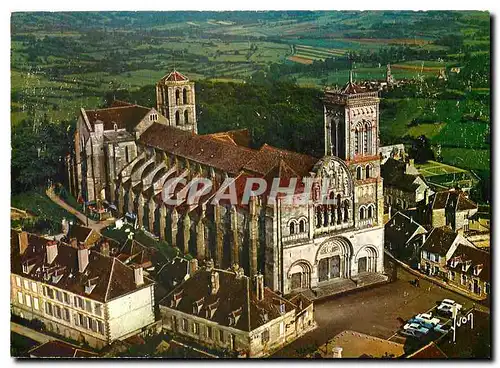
[
  {"x": 432, "y": 168},
  {"x": 429, "y": 130},
  {"x": 474, "y": 159},
  {"x": 48, "y": 214}
]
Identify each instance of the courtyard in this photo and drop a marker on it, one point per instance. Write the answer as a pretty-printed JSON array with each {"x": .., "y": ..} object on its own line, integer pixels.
[{"x": 379, "y": 311}]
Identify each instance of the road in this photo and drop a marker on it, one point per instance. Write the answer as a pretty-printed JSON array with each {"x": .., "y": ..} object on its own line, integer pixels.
[
  {"x": 95, "y": 225},
  {"x": 30, "y": 333},
  {"x": 377, "y": 311}
]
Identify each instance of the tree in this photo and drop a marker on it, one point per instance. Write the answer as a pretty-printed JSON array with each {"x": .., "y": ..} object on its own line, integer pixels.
[
  {"x": 421, "y": 150},
  {"x": 38, "y": 152}
]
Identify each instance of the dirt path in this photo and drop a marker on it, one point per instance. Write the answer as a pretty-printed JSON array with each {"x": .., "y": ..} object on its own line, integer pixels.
[{"x": 95, "y": 225}]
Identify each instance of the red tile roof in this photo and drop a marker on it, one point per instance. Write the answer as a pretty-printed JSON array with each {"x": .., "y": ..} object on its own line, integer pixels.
[
  {"x": 476, "y": 256},
  {"x": 439, "y": 240},
  {"x": 111, "y": 277},
  {"x": 125, "y": 117},
  {"x": 353, "y": 88},
  {"x": 429, "y": 351},
  {"x": 223, "y": 155},
  {"x": 452, "y": 199},
  {"x": 239, "y": 137},
  {"x": 60, "y": 349},
  {"x": 235, "y": 296},
  {"x": 174, "y": 76}
]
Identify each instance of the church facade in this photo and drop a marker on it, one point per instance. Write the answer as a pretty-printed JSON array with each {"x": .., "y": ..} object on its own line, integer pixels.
[{"x": 126, "y": 153}]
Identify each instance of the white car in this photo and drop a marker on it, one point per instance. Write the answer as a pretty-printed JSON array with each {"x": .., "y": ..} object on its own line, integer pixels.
[
  {"x": 427, "y": 319},
  {"x": 414, "y": 330},
  {"x": 446, "y": 307}
]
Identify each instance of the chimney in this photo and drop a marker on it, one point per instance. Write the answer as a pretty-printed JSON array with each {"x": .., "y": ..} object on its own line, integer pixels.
[
  {"x": 426, "y": 196},
  {"x": 193, "y": 266},
  {"x": 105, "y": 248},
  {"x": 259, "y": 286},
  {"x": 83, "y": 258},
  {"x": 65, "y": 226},
  {"x": 51, "y": 251},
  {"x": 74, "y": 243},
  {"x": 138, "y": 276},
  {"x": 390, "y": 210},
  {"x": 337, "y": 352},
  {"x": 214, "y": 282},
  {"x": 23, "y": 241}
]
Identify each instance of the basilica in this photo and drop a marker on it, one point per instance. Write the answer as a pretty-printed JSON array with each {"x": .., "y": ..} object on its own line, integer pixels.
[{"x": 123, "y": 155}]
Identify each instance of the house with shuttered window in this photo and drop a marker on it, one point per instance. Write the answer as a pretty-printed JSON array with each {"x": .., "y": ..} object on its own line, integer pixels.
[{"x": 77, "y": 292}]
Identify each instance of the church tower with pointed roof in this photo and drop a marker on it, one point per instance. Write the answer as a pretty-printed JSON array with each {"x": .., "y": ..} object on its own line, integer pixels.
[
  {"x": 351, "y": 122},
  {"x": 175, "y": 99},
  {"x": 352, "y": 134}
]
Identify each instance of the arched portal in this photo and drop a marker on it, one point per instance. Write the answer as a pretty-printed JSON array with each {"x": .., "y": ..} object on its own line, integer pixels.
[
  {"x": 299, "y": 275},
  {"x": 333, "y": 259},
  {"x": 366, "y": 259}
]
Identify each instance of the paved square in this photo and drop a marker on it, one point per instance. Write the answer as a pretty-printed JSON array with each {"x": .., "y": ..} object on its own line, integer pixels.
[{"x": 376, "y": 312}]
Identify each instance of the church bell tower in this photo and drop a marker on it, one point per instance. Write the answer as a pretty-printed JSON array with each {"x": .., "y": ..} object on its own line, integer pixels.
[
  {"x": 351, "y": 133},
  {"x": 175, "y": 99},
  {"x": 351, "y": 122}
]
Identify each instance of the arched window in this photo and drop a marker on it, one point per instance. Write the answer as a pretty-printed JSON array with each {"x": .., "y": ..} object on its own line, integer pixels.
[
  {"x": 184, "y": 96},
  {"x": 186, "y": 117},
  {"x": 370, "y": 212},
  {"x": 346, "y": 211},
  {"x": 339, "y": 210},
  {"x": 366, "y": 129},
  {"x": 331, "y": 208},
  {"x": 325, "y": 215},
  {"x": 302, "y": 226},
  {"x": 367, "y": 171},
  {"x": 177, "y": 97},
  {"x": 358, "y": 140},
  {"x": 362, "y": 213},
  {"x": 177, "y": 118},
  {"x": 368, "y": 138},
  {"x": 115, "y": 127},
  {"x": 292, "y": 228},
  {"x": 358, "y": 173},
  {"x": 318, "y": 216}
]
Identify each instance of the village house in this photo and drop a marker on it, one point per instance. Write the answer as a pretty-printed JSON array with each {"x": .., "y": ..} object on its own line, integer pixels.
[
  {"x": 437, "y": 250},
  {"x": 404, "y": 238},
  {"x": 469, "y": 270},
  {"x": 78, "y": 293},
  {"x": 356, "y": 345},
  {"x": 448, "y": 208},
  {"x": 226, "y": 311},
  {"x": 404, "y": 187}
]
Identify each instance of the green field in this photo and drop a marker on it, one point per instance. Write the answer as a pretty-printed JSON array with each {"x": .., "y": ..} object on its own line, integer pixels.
[{"x": 61, "y": 62}]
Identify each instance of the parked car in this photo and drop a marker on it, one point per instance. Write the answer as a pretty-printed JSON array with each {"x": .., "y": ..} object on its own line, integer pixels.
[
  {"x": 414, "y": 330},
  {"x": 442, "y": 328},
  {"x": 428, "y": 319},
  {"x": 421, "y": 322},
  {"x": 446, "y": 307}
]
